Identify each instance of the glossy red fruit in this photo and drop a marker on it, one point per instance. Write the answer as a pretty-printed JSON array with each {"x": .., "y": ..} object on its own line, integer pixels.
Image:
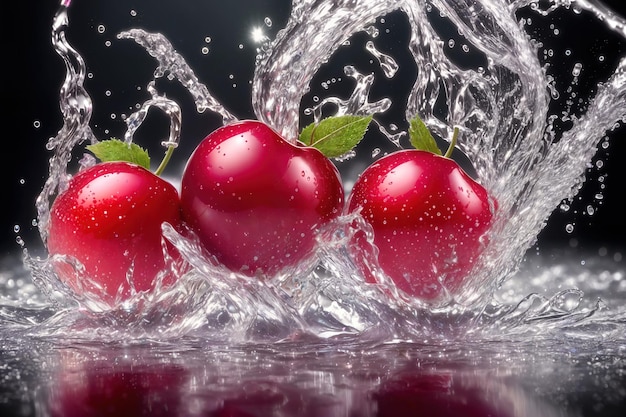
[
  {"x": 110, "y": 220},
  {"x": 255, "y": 200},
  {"x": 428, "y": 217}
]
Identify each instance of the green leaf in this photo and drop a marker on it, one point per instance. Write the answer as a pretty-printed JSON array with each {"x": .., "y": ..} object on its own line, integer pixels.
[
  {"x": 421, "y": 138},
  {"x": 336, "y": 136},
  {"x": 117, "y": 150}
]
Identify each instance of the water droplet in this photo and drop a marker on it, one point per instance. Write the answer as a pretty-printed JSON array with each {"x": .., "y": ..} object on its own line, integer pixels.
[
  {"x": 372, "y": 31},
  {"x": 387, "y": 63}
]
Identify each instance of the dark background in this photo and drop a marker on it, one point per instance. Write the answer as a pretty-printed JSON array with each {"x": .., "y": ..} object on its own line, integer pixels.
[{"x": 34, "y": 74}]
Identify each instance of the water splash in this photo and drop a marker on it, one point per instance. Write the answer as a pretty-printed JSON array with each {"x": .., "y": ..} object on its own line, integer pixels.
[
  {"x": 76, "y": 107},
  {"x": 509, "y": 133},
  {"x": 175, "y": 66}
]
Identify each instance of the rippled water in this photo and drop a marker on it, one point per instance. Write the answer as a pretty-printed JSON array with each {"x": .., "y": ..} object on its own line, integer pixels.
[{"x": 319, "y": 341}]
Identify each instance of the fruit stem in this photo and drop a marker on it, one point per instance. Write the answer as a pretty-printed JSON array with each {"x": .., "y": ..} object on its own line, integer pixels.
[
  {"x": 165, "y": 160},
  {"x": 455, "y": 138}
]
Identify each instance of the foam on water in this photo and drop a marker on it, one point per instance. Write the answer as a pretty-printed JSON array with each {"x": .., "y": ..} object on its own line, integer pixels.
[{"x": 502, "y": 104}]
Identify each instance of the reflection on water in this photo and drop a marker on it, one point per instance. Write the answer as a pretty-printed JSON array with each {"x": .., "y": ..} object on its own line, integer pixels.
[{"x": 324, "y": 380}]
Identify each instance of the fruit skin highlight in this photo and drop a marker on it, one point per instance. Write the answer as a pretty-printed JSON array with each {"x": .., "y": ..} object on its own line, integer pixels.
[
  {"x": 109, "y": 219},
  {"x": 428, "y": 217},
  {"x": 256, "y": 201}
]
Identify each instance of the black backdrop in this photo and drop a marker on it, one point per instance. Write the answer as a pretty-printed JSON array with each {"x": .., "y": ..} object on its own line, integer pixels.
[{"x": 34, "y": 73}]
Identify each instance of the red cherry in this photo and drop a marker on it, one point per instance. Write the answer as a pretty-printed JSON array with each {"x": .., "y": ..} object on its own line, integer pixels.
[
  {"x": 428, "y": 217},
  {"x": 110, "y": 220},
  {"x": 255, "y": 200}
]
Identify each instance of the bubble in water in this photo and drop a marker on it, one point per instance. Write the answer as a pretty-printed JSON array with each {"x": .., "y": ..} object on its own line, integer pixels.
[
  {"x": 569, "y": 228},
  {"x": 101, "y": 29}
]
